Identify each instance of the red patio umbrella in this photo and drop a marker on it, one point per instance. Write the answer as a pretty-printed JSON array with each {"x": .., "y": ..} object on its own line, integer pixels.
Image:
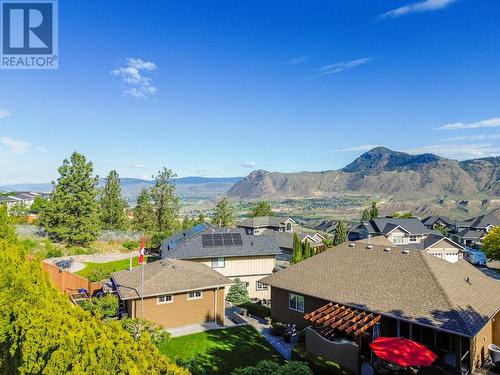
[{"x": 402, "y": 351}]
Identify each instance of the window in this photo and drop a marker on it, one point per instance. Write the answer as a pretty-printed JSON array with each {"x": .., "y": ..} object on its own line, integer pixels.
[
  {"x": 195, "y": 295},
  {"x": 260, "y": 286},
  {"x": 296, "y": 302},
  {"x": 218, "y": 262},
  {"x": 413, "y": 238},
  {"x": 397, "y": 239},
  {"x": 165, "y": 299}
]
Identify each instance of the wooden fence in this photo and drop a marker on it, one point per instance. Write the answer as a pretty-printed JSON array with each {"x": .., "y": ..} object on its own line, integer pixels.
[{"x": 68, "y": 282}]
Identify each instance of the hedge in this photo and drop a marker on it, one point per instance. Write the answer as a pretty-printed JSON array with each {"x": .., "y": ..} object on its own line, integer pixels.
[
  {"x": 319, "y": 365},
  {"x": 257, "y": 310}
]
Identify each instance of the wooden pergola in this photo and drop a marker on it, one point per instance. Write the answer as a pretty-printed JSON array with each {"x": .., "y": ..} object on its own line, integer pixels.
[{"x": 336, "y": 317}]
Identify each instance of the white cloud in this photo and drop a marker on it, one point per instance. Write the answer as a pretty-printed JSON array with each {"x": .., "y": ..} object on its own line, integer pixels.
[
  {"x": 477, "y": 137},
  {"x": 488, "y": 123},
  {"x": 249, "y": 164},
  {"x": 15, "y": 146},
  {"x": 356, "y": 148},
  {"x": 459, "y": 151},
  {"x": 4, "y": 113},
  {"x": 419, "y": 7},
  {"x": 298, "y": 60},
  {"x": 132, "y": 75},
  {"x": 137, "y": 166},
  {"x": 339, "y": 67}
]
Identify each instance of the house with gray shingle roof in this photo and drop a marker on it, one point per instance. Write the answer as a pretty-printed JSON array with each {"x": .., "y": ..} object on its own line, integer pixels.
[
  {"x": 470, "y": 232},
  {"x": 174, "y": 292},
  {"x": 411, "y": 234},
  {"x": 260, "y": 224},
  {"x": 451, "y": 307},
  {"x": 230, "y": 251}
]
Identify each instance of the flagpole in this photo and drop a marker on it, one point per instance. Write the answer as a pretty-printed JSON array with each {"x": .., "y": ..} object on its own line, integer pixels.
[{"x": 142, "y": 290}]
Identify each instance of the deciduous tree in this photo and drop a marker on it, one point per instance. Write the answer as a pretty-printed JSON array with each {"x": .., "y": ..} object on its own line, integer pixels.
[
  {"x": 490, "y": 244},
  {"x": 112, "y": 204}
]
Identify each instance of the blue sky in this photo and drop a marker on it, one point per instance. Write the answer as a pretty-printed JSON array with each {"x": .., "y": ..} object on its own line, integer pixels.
[{"x": 221, "y": 88}]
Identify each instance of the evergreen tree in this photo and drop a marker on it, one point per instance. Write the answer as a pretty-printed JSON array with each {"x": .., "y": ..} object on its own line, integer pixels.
[
  {"x": 261, "y": 209},
  {"x": 38, "y": 204},
  {"x": 374, "y": 211},
  {"x": 307, "y": 250},
  {"x": 224, "y": 213},
  {"x": 188, "y": 223},
  {"x": 366, "y": 215},
  {"x": 71, "y": 213},
  {"x": 144, "y": 214},
  {"x": 238, "y": 293},
  {"x": 297, "y": 250},
  {"x": 340, "y": 233},
  {"x": 166, "y": 202},
  {"x": 112, "y": 204}
]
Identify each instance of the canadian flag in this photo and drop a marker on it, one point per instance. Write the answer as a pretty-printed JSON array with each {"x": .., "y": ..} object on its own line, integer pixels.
[{"x": 141, "y": 251}]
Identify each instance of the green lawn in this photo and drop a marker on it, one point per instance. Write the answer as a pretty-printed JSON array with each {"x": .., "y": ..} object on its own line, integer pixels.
[
  {"x": 223, "y": 350},
  {"x": 110, "y": 267}
]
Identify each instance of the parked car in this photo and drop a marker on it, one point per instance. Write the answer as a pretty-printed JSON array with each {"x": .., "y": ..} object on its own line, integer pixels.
[{"x": 476, "y": 257}]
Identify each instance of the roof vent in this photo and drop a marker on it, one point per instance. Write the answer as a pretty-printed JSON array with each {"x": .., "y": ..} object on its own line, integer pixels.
[
  {"x": 406, "y": 252},
  {"x": 387, "y": 249},
  {"x": 369, "y": 247},
  {"x": 467, "y": 280},
  {"x": 251, "y": 243},
  {"x": 352, "y": 244}
]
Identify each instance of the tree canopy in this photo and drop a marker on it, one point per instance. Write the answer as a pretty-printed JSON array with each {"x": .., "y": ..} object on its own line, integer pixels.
[
  {"x": 224, "y": 213},
  {"x": 374, "y": 211},
  {"x": 112, "y": 204},
  {"x": 166, "y": 202},
  {"x": 71, "y": 213},
  {"x": 490, "y": 244},
  {"x": 144, "y": 213},
  {"x": 40, "y": 332},
  {"x": 340, "y": 233},
  {"x": 238, "y": 293},
  {"x": 297, "y": 252},
  {"x": 262, "y": 208}
]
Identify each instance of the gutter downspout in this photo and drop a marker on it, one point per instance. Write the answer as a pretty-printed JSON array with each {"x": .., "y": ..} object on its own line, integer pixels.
[{"x": 215, "y": 304}]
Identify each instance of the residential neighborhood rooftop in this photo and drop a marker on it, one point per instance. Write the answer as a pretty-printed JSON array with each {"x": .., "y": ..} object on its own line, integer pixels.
[
  {"x": 211, "y": 242},
  {"x": 414, "y": 285},
  {"x": 263, "y": 221},
  {"x": 167, "y": 276}
]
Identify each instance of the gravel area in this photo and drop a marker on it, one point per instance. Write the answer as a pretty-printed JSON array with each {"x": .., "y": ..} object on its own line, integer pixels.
[{"x": 285, "y": 349}]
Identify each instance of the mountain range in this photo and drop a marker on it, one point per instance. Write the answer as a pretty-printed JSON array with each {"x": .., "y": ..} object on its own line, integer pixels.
[
  {"x": 200, "y": 187},
  {"x": 380, "y": 172}
]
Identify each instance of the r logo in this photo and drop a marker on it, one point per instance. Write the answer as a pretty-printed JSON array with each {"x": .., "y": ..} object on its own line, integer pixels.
[{"x": 27, "y": 28}]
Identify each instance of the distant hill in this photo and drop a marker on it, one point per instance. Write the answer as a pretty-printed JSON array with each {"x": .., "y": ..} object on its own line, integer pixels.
[
  {"x": 383, "y": 172},
  {"x": 202, "y": 187}
]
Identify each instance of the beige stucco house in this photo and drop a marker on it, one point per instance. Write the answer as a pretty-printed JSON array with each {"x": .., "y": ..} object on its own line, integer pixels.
[{"x": 229, "y": 251}]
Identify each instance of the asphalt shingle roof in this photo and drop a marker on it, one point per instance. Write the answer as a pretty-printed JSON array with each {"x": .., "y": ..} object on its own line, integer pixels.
[
  {"x": 416, "y": 286},
  {"x": 385, "y": 225},
  {"x": 192, "y": 247},
  {"x": 262, "y": 221},
  {"x": 167, "y": 276}
]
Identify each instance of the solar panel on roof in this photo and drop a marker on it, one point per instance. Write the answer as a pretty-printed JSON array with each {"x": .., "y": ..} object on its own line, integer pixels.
[
  {"x": 217, "y": 239},
  {"x": 237, "y": 240},
  {"x": 207, "y": 240},
  {"x": 228, "y": 239}
]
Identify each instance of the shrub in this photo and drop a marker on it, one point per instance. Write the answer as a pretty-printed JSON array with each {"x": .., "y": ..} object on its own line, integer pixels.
[
  {"x": 274, "y": 368},
  {"x": 319, "y": 365},
  {"x": 278, "y": 328},
  {"x": 131, "y": 245},
  {"x": 156, "y": 239},
  {"x": 105, "y": 307},
  {"x": 138, "y": 327},
  {"x": 98, "y": 273},
  {"x": 238, "y": 293},
  {"x": 194, "y": 365},
  {"x": 258, "y": 310},
  {"x": 41, "y": 333}
]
